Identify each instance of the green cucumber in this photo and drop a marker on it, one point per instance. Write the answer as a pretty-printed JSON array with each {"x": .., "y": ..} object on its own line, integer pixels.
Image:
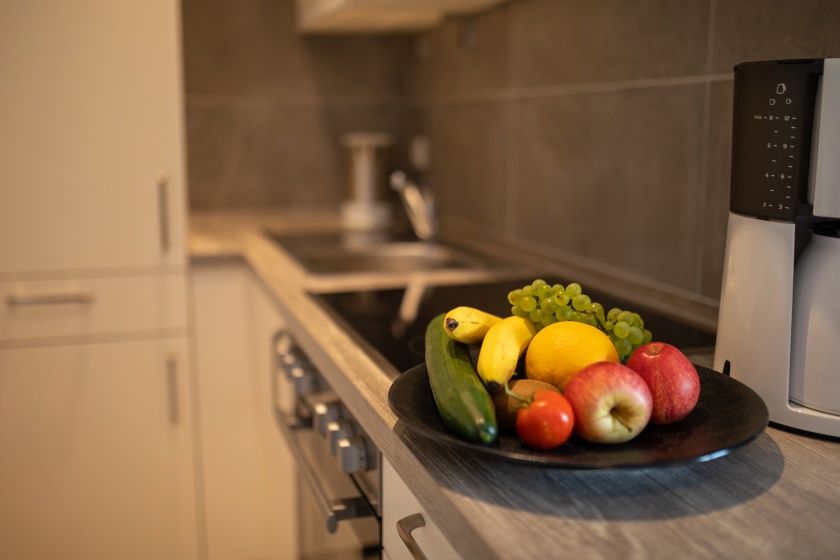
[{"x": 464, "y": 404}]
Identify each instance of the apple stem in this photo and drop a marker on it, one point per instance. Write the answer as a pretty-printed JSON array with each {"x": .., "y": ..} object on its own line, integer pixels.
[{"x": 524, "y": 401}]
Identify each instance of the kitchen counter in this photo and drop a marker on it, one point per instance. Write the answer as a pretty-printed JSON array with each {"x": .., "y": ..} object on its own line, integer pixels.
[{"x": 778, "y": 497}]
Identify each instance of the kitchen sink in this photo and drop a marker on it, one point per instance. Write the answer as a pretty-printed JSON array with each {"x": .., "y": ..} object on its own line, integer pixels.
[{"x": 341, "y": 253}]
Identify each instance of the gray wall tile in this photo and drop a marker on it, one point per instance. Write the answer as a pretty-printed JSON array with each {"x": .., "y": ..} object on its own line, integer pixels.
[
  {"x": 562, "y": 41},
  {"x": 469, "y": 158},
  {"x": 717, "y": 187},
  {"x": 443, "y": 65},
  {"x": 614, "y": 177},
  {"x": 747, "y": 30}
]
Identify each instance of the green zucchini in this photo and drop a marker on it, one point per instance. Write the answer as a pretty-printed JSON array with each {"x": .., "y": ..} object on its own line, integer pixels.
[{"x": 464, "y": 404}]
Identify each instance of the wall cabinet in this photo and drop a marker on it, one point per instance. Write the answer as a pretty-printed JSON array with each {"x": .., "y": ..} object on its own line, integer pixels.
[
  {"x": 366, "y": 16},
  {"x": 97, "y": 454},
  {"x": 91, "y": 145}
]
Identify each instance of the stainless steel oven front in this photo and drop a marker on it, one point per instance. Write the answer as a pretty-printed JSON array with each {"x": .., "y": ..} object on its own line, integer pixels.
[{"x": 338, "y": 468}]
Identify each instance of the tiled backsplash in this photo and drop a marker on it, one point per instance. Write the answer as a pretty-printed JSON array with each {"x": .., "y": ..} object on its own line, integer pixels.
[
  {"x": 592, "y": 132},
  {"x": 266, "y": 107},
  {"x": 599, "y": 132}
]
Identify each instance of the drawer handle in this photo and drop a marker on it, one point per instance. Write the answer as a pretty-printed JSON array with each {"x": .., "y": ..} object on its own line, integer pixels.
[
  {"x": 405, "y": 526},
  {"x": 50, "y": 298},
  {"x": 172, "y": 386}
]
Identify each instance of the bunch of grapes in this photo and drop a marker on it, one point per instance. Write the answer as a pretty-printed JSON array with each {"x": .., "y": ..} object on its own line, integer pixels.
[{"x": 545, "y": 304}]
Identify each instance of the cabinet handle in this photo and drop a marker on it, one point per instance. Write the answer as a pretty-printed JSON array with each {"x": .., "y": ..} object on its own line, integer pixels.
[
  {"x": 162, "y": 181},
  {"x": 50, "y": 298},
  {"x": 404, "y": 528},
  {"x": 172, "y": 385}
]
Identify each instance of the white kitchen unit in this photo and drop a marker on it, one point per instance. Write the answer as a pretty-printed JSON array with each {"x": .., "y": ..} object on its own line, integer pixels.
[
  {"x": 91, "y": 143},
  {"x": 250, "y": 482},
  {"x": 366, "y": 16},
  {"x": 399, "y": 506},
  {"x": 96, "y": 454},
  {"x": 96, "y": 392}
]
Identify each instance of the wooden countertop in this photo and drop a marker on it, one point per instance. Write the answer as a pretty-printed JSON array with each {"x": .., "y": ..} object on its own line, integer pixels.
[{"x": 778, "y": 497}]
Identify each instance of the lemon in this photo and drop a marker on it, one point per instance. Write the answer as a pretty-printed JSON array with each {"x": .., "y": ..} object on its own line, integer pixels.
[{"x": 561, "y": 350}]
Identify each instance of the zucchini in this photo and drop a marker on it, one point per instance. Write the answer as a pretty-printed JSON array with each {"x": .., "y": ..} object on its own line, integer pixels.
[{"x": 464, "y": 404}]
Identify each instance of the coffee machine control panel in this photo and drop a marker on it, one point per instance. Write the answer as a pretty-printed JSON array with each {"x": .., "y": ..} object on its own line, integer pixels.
[{"x": 771, "y": 138}]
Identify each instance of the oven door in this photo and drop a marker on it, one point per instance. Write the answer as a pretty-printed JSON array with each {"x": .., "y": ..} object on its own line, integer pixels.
[{"x": 338, "y": 513}]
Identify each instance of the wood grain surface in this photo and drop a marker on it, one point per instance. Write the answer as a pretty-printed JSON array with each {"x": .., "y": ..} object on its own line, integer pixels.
[{"x": 778, "y": 497}]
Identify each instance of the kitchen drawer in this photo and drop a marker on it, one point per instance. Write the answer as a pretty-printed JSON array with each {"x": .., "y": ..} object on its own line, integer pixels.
[
  {"x": 91, "y": 306},
  {"x": 398, "y": 503}
]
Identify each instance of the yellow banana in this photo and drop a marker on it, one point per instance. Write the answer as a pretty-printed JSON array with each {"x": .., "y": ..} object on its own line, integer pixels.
[
  {"x": 500, "y": 351},
  {"x": 468, "y": 324}
]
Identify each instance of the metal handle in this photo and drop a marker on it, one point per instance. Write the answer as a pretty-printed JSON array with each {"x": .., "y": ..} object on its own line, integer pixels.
[
  {"x": 50, "y": 298},
  {"x": 334, "y": 509},
  {"x": 162, "y": 181},
  {"x": 172, "y": 383},
  {"x": 404, "y": 528}
]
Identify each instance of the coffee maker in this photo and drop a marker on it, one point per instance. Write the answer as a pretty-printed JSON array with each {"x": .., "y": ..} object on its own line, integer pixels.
[{"x": 779, "y": 321}]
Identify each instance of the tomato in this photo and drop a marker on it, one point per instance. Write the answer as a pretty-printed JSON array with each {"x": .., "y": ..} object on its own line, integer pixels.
[{"x": 546, "y": 422}]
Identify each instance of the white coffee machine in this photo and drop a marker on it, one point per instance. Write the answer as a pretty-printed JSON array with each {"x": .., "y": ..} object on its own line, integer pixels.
[{"x": 779, "y": 323}]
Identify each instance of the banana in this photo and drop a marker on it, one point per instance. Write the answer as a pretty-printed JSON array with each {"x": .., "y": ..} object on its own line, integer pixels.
[
  {"x": 468, "y": 324},
  {"x": 500, "y": 351}
]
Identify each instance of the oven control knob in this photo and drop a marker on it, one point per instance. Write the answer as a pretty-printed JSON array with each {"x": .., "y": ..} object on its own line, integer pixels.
[
  {"x": 326, "y": 412},
  {"x": 338, "y": 430},
  {"x": 304, "y": 380},
  {"x": 354, "y": 454}
]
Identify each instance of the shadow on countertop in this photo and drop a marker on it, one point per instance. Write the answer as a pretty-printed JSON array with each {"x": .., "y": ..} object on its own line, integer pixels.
[{"x": 624, "y": 494}]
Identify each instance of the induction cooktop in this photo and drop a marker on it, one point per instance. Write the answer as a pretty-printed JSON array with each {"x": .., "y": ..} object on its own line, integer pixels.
[{"x": 391, "y": 323}]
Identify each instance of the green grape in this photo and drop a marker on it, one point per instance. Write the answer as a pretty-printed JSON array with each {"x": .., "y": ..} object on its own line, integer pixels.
[
  {"x": 518, "y": 311},
  {"x": 513, "y": 296},
  {"x": 561, "y": 298},
  {"x": 598, "y": 309},
  {"x": 564, "y": 313},
  {"x": 613, "y": 314},
  {"x": 576, "y": 316},
  {"x": 548, "y": 306},
  {"x": 589, "y": 320},
  {"x": 623, "y": 347},
  {"x": 528, "y": 303},
  {"x": 648, "y": 336},
  {"x": 548, "y": 318},
  {"x": 527, "y": 291},
  {"x": 636, "y": 336},
  {"x": 535, "y": 316},
  {"x": 625, "y": 317},
  {"x": 573, "y": 290},
  {"x": 581, "y": 302},
  {"x": 621, "y": 329},
  {"x": 537, "y": 283},
  {"x": 608, "y": 326},
  {"x": 639, "y": 321},
  {"x": 556, "y": 289},
  {"x": 543, "y": 291}
]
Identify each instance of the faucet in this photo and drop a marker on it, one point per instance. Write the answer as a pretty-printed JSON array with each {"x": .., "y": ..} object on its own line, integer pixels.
[{"x": 419, "y": 205}]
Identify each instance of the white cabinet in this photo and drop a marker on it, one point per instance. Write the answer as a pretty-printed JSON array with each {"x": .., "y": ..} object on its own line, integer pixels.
[
  {"x": 398, "y": 504},
  {"x": 250, "y": 488},
  {"x": 364, "y": 16},
  {"x": 91, "y": 142},
  {"x": 96, "y": 456}
]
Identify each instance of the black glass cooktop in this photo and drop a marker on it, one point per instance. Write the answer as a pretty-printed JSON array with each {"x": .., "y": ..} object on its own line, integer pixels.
[{"x": 373, "y": 316}]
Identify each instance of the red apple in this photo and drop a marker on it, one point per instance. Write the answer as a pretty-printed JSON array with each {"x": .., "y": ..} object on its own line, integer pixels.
[
  {"x": 671, "y": 378},
  {"x": 612, "y": 404}
]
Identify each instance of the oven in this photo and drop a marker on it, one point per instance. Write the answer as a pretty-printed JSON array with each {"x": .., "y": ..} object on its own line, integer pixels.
[{"x": 338, "y": 468}]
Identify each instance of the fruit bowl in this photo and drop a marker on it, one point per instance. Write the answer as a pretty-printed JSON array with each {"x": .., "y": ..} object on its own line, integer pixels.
[{"x": 728, "y": 415}]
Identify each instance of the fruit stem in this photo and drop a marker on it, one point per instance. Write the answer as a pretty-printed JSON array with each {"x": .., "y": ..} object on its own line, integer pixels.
[{"x": 524, "y": 401}]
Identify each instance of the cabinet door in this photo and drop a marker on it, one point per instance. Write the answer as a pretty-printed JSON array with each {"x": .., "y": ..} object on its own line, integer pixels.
[
  {"x": 249, "y": 475},
  {"x": 96, "y": 452},
  {"x": 397, "y": 504},
  {"x": 90, "y": 106}
]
